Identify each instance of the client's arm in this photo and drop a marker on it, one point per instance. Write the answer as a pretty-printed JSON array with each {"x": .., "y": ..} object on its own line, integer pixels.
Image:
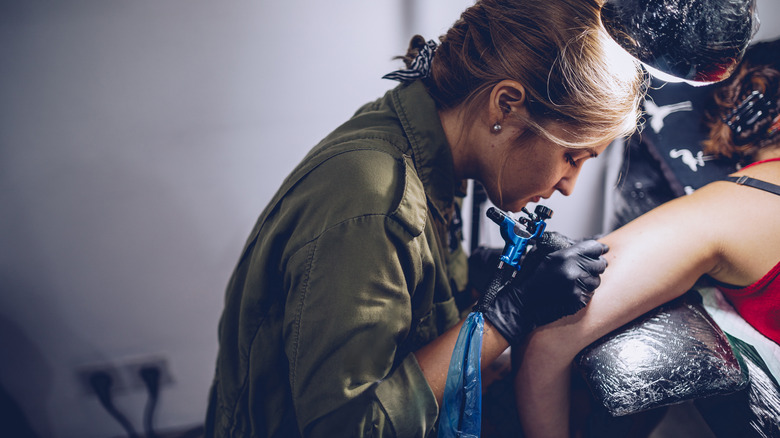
[{"x": 652, "y": 260}]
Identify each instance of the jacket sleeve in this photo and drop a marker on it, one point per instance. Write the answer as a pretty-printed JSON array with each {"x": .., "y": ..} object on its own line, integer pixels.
[{"x": 348, "y": 309}]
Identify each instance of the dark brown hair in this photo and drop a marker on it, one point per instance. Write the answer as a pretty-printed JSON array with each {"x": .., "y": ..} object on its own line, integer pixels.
[
  {"x": 758, "y": 71},
  {"x": 572, "y": 70}
]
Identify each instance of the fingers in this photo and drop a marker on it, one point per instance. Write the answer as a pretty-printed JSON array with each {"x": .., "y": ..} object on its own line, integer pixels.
[
  {"x": 584, "y": 256},
  {"x": 590, "y": 248},
  {"x": 553, "y": 241},
  {"x": 584, "y": 263},
  {"x": 591, "y": 262},
  {"x": 588, "y": 255},
  {"x": 592, "y": 266},
  {"x": 589, "y": 283}
]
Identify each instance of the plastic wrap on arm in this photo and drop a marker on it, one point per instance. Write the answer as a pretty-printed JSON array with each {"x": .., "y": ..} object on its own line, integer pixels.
[
  {"x": 672, "y": 354},
  {"x": 752, "y": 412}
]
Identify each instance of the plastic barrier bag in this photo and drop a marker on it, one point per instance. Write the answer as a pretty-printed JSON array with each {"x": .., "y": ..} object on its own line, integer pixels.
[
  {"x": 461, "y": 412},
  {"x": 673, "y": 354}
]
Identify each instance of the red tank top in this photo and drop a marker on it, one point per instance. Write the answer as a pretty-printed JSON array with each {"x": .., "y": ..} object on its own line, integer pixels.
[{"x": 759, "y": 303}]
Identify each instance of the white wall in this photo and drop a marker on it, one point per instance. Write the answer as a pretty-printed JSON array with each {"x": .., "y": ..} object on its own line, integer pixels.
[
  {"x": 139, "y": 140},
  {"x": 138, "y": 143},
  {"x": 769, "y": 14}
]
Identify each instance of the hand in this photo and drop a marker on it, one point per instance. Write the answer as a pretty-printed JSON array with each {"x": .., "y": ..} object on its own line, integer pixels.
[
  {"x": 486, "y": 280},
  {"x": 483, "y": 262},
  {"x": 549, "y": 241},
  {"x": 552, "y": 241},
  {"x": 561, "y": 285}
]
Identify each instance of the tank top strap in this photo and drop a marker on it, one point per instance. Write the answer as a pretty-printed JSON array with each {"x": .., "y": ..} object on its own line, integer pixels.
[{"x": 755, "y": 183}]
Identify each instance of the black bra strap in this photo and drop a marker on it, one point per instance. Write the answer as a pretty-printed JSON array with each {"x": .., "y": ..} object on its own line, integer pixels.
[{"x": 756, "y": 183}]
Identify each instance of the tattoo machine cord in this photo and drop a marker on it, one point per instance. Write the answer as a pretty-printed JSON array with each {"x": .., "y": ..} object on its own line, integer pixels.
[
  {"x": 151, "y": 378},
  {"x": 101, "y": 382}
]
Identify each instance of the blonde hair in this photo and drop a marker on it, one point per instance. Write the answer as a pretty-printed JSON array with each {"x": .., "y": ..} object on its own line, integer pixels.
[{"x": 573, "y": 72}]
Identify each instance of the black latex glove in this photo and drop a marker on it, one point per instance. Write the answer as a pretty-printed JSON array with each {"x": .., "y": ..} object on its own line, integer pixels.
[
  {"x": 483, "y": 262},
  {"x": 549, "y": 241},
  {"x": 561, "y": 284},
  {"x": 552, "y": 241}
]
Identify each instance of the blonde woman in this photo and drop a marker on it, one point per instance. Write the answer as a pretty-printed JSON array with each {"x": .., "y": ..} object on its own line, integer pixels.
[{"x": 341, "y": 317}]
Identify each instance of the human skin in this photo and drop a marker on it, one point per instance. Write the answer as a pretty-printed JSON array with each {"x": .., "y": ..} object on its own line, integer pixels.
[
  {"x": 515, "y": 168},
  {"x": 722, "y": 230},
  {"x": 529, "y": 171}
]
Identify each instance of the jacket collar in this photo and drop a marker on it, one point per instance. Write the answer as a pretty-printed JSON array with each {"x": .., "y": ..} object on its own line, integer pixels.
[{"x": 430, "y": 151}]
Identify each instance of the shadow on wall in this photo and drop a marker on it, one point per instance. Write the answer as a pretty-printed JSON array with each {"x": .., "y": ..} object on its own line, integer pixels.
[
  {"x": 12, "y": 419},
  {"x": 23, "y": 371}
]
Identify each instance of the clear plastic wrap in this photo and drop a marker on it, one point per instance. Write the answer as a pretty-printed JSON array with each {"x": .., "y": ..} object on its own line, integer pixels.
[
  {"x": 752, "y": 412},
  {"x": 672, "y": 354},
  {"x": 701, "y": 41}
]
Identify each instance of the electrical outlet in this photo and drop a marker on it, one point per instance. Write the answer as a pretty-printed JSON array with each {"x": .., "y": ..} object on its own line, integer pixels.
[
  {"x": 132, "y": 371},
  {"x": 85, "y": 373},
  {"x": 125, "y": 376}
]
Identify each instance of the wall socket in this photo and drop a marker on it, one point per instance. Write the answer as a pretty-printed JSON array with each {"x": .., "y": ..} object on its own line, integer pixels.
[
  {"x": 125, "y": 375},
  {"x": 132, "y": 371},
  {"x": 84, "y": 374}
]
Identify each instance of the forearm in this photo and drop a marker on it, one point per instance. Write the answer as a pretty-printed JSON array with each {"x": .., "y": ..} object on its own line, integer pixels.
[
  {"x": 651, "y": 261},
  {"x": 434, "y": 358},
  {"x": 542, "y": 383},
  {"x": 542, "y": 387}
]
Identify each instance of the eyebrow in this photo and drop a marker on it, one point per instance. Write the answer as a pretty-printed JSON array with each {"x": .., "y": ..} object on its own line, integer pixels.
[{"x": 591, "y": 151}]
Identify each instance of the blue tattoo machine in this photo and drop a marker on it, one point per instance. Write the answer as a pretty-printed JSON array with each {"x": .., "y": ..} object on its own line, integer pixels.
[
  {"x": 517, "y": 234},
  {"x": 461, "y": 413}
]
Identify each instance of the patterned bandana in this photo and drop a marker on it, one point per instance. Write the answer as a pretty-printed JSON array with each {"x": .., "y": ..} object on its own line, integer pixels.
[{"x": 420, "y": 68}]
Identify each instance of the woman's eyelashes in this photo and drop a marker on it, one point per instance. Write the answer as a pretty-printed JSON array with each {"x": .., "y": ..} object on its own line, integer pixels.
[{"x": 571, "y": 161}]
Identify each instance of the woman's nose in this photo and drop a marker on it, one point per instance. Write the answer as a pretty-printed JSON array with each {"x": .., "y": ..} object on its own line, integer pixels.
[{"x": 566, "y": 184}]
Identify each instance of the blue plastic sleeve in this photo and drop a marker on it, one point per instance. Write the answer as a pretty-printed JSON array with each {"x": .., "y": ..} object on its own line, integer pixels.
[{"x": 461, "y": 414}]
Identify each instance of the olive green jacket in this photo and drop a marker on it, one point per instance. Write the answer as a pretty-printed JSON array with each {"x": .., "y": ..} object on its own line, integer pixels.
[{"x": 351, "y": 268}]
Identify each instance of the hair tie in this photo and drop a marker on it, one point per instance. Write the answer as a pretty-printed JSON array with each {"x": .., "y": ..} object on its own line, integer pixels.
[
  {"x": 420, "y": 67},
  {"x": 775, "y": 126},
  {"x": 748, "y": 112}
]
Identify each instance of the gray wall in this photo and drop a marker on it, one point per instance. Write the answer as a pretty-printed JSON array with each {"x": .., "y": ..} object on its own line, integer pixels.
[{"x": 139, "y": 140}]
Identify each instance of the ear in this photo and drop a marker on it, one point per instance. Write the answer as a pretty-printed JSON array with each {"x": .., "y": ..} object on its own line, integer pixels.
[{"x": 507, "y": 96}]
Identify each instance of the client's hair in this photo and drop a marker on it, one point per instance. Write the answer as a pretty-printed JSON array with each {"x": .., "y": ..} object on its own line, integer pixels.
[{"x": 746, "y": 110}]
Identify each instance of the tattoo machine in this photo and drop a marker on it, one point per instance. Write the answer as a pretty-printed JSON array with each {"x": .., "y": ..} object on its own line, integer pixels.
[
  {"x": 517, "y": 234},
  {"x": 461, "y": 414}
]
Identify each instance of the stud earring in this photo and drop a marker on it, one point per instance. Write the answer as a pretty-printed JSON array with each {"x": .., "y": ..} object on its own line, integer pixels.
[{"x": 497, "y": 128}]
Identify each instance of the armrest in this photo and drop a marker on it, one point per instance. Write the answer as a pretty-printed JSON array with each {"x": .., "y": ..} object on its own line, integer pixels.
[{"x": 670, "y": 355}]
